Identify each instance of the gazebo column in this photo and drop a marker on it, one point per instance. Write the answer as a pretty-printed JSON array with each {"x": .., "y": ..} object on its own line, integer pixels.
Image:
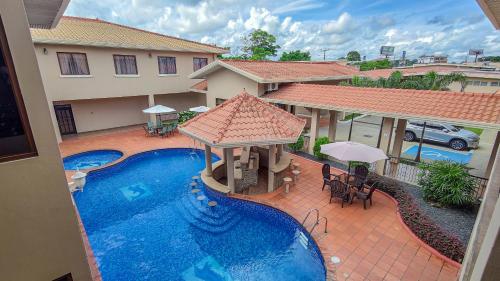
[
  {"x": 279, "y": 152},
  {"x": 397, "y": 147},
  {"x": 385, "y": 141},
  {"x": 314, "y": 129},
  {"x": 272, "y": 163},
  {"x": 208, "y": 160},
  {"x": 494, "y": 150},
  {"x": 228, "y": 152},
  {"x": 151, "y": 102},
  {"x": 332, "y": 125}
]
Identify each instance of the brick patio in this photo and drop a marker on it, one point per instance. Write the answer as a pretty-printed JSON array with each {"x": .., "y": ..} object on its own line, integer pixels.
[{"x": 372, "y": 244}]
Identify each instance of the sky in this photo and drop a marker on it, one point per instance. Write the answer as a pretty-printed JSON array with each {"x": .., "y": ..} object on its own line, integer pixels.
[{"x": 443, "y": 27}]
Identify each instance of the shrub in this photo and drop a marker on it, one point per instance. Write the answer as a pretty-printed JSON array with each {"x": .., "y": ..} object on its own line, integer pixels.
[
  {"x": 447, "y": 183},
  {"x": 186, "y": 115},
  {"x": 354, "y": 164},
  {"x": 317, "y": 147},
  {"x": 420, "y": 224},
  {"x": 297, "y": 146}
]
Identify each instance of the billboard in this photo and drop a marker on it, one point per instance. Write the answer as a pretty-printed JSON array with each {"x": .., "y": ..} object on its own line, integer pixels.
[
  {"x": 476, "y": 52},
  {"x": 387, "y": 50}
]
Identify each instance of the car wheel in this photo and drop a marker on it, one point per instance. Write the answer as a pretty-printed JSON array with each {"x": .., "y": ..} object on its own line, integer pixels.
[
  {"x": 458, "y": 144},
  {"x": 410, "y": 136}
]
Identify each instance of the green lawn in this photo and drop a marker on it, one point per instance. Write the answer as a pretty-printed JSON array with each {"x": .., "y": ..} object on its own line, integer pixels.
[
  {"x": 352, "y": 115},
  {"x": 478, "y": 131}
]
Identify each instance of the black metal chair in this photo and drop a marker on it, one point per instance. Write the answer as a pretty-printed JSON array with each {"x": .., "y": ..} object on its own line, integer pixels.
[
  {"x": 339, "y": 189},
  {"x": 327, "y": 176},
  {"x": 366, "y": 195},
  {"x": 359, "y": 177}
]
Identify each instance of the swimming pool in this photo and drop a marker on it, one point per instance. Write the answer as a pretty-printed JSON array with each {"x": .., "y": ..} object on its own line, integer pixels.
[
  {"x": 144, "y": 223},
  {"x": 91, "y": 159}
]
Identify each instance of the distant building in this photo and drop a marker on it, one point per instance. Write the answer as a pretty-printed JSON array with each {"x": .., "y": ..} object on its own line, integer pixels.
[{"x": 425, "y": 59}]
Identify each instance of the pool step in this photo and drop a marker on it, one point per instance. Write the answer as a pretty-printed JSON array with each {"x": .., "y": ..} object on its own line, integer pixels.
[{"x": 303, "y": 240}]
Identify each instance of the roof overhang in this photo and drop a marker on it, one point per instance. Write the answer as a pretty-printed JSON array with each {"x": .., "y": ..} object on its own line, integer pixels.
[
  {"x": 218, "y": 64},
  {"x": 44, "y": 13},
  {"x": 237, "y": 144},
  {"x": 491, "y": 9},
  {"x": 461, "y": 122}
]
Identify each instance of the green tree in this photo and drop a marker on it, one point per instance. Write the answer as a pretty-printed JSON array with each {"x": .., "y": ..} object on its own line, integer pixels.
[
  {"x": 375, "y": 64},
  {"x": 429, "y": 81},
  {"x": 232, "y": 57},
  {"x": 353, "y": 56},
  {"x": 295, "y": 56},
  {"x": 259, "y": 45}
]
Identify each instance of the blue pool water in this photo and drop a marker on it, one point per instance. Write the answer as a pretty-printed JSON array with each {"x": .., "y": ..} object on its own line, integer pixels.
[
  {"x": 144, "y": 223},
  {"x": 431, "y": 153},
  {"x": 91, "y": 159}
]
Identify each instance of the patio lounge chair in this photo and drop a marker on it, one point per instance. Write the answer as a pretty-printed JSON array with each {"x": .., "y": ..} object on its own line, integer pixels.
[
  {"x": 339, "y": 189},
  {"x": 327, "y": 176},
  {"x": 366, "y": 195},
  {"x": 359, "y": 177}
]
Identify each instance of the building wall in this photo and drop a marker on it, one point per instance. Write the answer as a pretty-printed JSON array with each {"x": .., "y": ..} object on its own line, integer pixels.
[
  {"x": 225, "y": 84},
  {"x": 182, "y": 101},
  {"x": 455, "y": 86},
  {"x": 102, "y": 81},
  {"x": 39, "y": 238},
  {"x": 99, "y": 114}
]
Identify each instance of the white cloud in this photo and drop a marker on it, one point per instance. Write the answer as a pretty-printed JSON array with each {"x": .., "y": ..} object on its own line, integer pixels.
[
  {"x": 299, "y": 5},
  {"x": 343, "y": 24}
]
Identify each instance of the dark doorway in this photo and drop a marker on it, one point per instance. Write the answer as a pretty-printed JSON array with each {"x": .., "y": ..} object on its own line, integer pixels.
[{"x": 65, "y": 119}]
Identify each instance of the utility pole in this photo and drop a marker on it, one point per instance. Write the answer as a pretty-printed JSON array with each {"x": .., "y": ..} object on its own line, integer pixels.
[{"x": 324, "y": 53}]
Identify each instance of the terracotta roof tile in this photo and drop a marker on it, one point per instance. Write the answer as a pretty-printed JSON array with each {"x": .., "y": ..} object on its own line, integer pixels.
[
  {"x": 420, "y": 70},
  {"x": 99, "y": 33},
  {"x": 288, "y": 71},
  {"x": 463, "y": 108},
  {"x": 244, "y": 120}
]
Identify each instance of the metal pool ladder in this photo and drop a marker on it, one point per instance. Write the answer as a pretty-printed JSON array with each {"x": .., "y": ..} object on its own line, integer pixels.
[{"x": 317, "y": 222}]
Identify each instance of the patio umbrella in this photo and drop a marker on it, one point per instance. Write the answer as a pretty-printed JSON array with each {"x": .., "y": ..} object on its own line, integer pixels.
[
  {"x": 199, "y": 109},
  {"x": 158, "y": 109},
  {"x": 353, "y": 151}
]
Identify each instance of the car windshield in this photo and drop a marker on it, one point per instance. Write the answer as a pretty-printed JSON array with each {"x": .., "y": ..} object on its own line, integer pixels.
[{"x": 454, "y": 129}]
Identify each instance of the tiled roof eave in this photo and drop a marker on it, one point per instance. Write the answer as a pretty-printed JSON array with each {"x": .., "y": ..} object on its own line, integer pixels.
[
  {"x": 121, "y": 46},
  {"x": 223, "y": 144},
  {"x": 485, "y": 125}
]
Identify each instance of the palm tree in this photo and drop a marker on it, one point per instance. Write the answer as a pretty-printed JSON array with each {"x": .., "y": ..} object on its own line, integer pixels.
[{"x": 428, "y": 81}]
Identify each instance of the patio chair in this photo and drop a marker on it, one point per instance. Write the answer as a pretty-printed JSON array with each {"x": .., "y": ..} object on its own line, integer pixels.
[
  {"x": 366, "y": 195},
  {"x": 339, "y": 189},
  {"x": 149, "y": 131},
  {"x": 359, "y": 177},
  {"x": 164, "y": 131},
  {"x": 327, "y": 176}
]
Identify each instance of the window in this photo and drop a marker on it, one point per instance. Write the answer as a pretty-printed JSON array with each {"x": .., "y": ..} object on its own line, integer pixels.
[
  {"x": 484, "y": 83},
  {"x": 166, "y": 65},
  {"x": 16, "y": 140},
  {"x": 199, "y": 63},
  {"x": 494, "y": 84},
  {"x": 125, "y": 65},
  {"x": 469, "y": 83},
  {"x": 219, "y": 101},
  {"x": 477, "y": 83},
  {"x": 73, "y": 64}
]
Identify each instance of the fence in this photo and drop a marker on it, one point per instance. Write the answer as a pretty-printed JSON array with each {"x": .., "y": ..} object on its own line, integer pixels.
[{"x": 407, "y": 171}]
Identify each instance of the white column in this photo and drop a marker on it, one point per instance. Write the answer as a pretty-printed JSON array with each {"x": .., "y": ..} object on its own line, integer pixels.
[
  {"x": 397, "y": 147},
  {"x": 54, "y": 122},
  {"x": 494, "y": 150},
  {"x": 332, "y": 125},
  {"x": 208, "y": 159},
  {"x": 230, "y": 168},
  {"x": 385, "y": 141},
  {"x": 151, "y": 102},
  {"x": 270, "y": 173},
  {"x": 484, "y": 218},
  {"x": 314, "y": 129}
]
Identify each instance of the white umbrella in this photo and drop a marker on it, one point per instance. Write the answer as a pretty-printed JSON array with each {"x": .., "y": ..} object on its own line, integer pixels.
[
  {"x": 158, "y": 109},
  {"x": 353, "y": 151},
  {"x": 199, "y": 109}
]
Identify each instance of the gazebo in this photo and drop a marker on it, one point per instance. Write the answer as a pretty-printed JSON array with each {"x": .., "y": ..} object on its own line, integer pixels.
[{"x": 257, "y": 129}]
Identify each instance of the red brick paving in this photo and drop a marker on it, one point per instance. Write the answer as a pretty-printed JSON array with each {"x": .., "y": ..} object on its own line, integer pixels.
[{"x": 372, "y": 244}]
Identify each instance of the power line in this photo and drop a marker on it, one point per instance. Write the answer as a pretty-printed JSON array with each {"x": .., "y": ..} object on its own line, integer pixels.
[{"x": 324, "y": 53}]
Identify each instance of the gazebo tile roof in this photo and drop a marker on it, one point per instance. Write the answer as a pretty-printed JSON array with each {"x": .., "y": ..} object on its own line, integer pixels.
[{"x": 244, "y": 120}]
